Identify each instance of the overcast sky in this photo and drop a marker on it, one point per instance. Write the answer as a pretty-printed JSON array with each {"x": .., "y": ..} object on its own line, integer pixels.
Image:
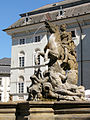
[{"x": 9, "y": 13}]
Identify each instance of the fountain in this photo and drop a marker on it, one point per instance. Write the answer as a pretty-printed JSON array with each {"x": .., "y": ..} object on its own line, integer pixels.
[
  {"x": 54, "y": 93},
  {"x": 59, "y": 82}
]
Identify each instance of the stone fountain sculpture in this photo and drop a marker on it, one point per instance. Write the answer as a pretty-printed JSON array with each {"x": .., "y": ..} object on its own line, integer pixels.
[{"x": 59, "y": 82}]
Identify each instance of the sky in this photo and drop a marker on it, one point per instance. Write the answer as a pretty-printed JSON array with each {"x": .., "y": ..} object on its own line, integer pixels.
[{"x": 9, "y": 13}]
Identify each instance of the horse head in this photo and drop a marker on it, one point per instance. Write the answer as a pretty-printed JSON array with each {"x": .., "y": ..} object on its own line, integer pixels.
[{"x": 51, "y": 27}]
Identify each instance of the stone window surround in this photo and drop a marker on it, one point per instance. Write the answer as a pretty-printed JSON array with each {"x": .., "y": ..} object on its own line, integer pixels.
[
  {"x": 21, "y": 85},
  {"x": 21, "y": 59}
]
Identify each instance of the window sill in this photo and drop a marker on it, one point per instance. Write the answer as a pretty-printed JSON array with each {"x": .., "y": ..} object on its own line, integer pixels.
[{"x": 21, "y": 67}]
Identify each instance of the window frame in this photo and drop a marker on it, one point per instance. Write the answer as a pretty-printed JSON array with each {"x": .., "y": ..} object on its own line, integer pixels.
[
  {"x": 37, "y": 38},
  {"x": 22, "y": 41},
  {"x": 21, "y": 61},
  {"x": 61, "y": 12},
  {"x": 21, "y": 87}
]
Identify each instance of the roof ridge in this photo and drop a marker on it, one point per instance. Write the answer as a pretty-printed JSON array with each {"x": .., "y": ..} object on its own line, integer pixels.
[{"x": 64, "y": 3}]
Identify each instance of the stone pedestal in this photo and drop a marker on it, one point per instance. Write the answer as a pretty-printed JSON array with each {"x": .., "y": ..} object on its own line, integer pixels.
[
  {"x": 45, "y": 111},
  {"x": 14, "y": 111},
  {"x": 22, "y": 111},
  {"x": 8, "y": 111},
  {"x": 72, "y": 111},
  {"x": 41, "y": 110},
  {"x": 59, "y": 110}
]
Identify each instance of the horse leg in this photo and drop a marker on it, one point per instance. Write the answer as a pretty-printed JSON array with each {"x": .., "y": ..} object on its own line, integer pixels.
[{"x": 46, "y": 56}]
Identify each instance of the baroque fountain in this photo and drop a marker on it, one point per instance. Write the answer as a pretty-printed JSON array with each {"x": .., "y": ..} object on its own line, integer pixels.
[
  {"x": 54, "y": 93},
  {"x": 59, "y": 81}
]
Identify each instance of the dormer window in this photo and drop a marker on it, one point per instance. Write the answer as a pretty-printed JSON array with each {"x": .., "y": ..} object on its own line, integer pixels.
[
  {"x": 61, "y": 11},
  {"x": 27, "y": 17}
]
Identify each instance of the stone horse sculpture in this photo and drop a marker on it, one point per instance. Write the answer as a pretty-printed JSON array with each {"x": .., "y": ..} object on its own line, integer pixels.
[
  {"x": 59, "y": 81},
  {"x": 53, "y": 50}
]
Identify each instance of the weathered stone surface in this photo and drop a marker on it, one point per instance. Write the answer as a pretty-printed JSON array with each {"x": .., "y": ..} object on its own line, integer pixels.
[
  {"x": 14, "y": 111},
  {"x": 59, "y": 110},
  {"x": 7, "y": 111},
  {"x": 43, "y": 110},
  {"x": 59, "y": 81}
]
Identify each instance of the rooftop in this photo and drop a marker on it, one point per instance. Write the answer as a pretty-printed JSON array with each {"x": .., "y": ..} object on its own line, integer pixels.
[
  {"x": 55, "y": 6},
  {"x": 71, "y": 8},
  {"x": 5, "y": 64},
  {"x": 5, "y": 61}
]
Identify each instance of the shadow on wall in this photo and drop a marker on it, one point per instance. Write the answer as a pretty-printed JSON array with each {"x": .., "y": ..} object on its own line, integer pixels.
[
  {"x": 83, "y": 58},
  {"x": 22, "y": 111}
]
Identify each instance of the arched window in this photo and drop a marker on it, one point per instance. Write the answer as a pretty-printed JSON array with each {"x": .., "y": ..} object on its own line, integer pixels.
[
  {"x": 21, "y": 84},
  {"x": 21, "y": 59}
]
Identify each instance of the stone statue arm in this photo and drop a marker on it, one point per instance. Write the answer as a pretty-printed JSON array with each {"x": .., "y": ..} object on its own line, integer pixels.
[
  {"x": 62, "y": 76},
  {"x": 34, "y": 78}
]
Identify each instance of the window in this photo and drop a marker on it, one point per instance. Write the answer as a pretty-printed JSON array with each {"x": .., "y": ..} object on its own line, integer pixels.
[
  {"x": 73, "y": 33},
  {"x": 0, "y": 96},
  {"x": 22, "y": 41},
  {"x": 21, "y": 61},
  {"x": 0, "y": 81},
  {"x": 21, "y": 84},
  {"x": 26, "y": 19},
  {"x": 21, "y": 87},
  {"x": 37, "y": 39},
  {"x": 61, "y": 11}
]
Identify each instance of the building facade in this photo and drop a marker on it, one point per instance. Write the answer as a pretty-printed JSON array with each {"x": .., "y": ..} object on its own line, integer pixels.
[
  {"x": 5, "y": 64},
  {"x": 29, "y": 35}
]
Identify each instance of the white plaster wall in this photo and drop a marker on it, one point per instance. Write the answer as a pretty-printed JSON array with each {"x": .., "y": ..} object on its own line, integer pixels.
[
  {"x": 29, "y": 67},
  {"x": 28, "y": 50},
  {"x": 5, "y": 88}
]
